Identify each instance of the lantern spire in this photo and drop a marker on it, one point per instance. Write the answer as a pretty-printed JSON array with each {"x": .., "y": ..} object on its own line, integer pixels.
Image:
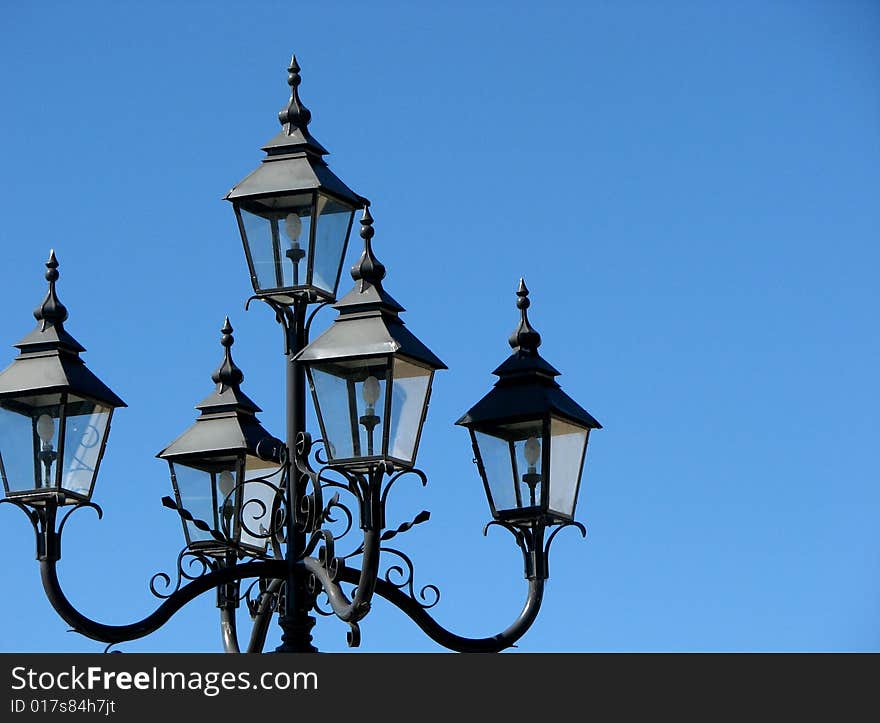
[
  {"x": 295, "y": 116},
  {"x": 50, "y": 357},
  {"x": 524, "y": 338},
  {"x": 51, "y": 312},
  {"x": 368, "y": 269},
  {"x": 227, "y": 375}
]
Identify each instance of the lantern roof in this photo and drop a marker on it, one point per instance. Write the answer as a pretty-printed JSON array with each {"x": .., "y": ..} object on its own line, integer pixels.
[
  {"x": 527, "y": 386},
  {"x": 49, "y": 358},
  {"x": 228, "y": 422},
  {"x": 368, "y": 323},
  {"x": 294, "y": 159}
]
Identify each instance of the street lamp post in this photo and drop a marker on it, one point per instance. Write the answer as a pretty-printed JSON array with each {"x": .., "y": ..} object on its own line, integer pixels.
[{"x": 256, "y": 511}]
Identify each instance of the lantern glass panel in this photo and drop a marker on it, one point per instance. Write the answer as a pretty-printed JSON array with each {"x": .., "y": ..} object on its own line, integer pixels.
[
  {"x": 567, "y": 447},
  {"x": 513, "y": 460},
  {"x": 409, "y": 395},
  {"x": 277, "y": 233},
  {"x": 26, "y": 461},
  {"x": 208, "y": 493},
  {"x": 350, "y": 397},
  {"x": 495, "y": 456},
  {"x": 331, "y": 238},
  {"x": 86, "y": 425}
]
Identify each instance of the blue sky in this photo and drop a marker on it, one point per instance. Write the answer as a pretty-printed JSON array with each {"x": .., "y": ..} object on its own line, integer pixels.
[{"x": 689, "y": 188}]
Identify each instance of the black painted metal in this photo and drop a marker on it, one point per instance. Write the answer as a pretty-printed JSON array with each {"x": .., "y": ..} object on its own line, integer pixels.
[
  {"x": 295, "y": 621},
  {"x": 447, "y": 638},
  {"x": 120, "y": 633}
]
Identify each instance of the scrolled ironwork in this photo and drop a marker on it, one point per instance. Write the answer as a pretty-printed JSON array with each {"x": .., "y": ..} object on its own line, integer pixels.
[
  {"x": 79, "y": 506},
  {"x": 31, "y": 513},
  {"x": 204, "y": 564},
  {"x": 353, "y": 636},
  {"x": 319, "y": 606},
  {"x": 577, "y": 525},
  {"x": 406, "y": 583},
  {"x": 423, "y": 478},
  {"x": 311, "y": 317},
  {"x": 271, "y": 514},
  {"x": 515, "y": 531},
  {"x": 326, "y": 516},
  {"x": 327, "y": 556}
]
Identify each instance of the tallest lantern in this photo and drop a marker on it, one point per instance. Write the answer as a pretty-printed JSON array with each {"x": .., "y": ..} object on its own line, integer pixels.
[{"x": 293, "y": 212}]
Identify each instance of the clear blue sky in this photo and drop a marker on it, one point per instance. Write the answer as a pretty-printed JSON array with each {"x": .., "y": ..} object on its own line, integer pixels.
[{"x": 689, "y": 188}]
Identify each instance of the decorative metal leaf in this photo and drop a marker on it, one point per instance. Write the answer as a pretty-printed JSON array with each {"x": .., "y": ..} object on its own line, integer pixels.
[
  {"x": 187, "y": 515},
  {"x": 423, "y": 516}
]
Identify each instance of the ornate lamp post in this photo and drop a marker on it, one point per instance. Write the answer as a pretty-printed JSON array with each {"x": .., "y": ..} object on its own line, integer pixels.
[{"x": 260, "y": 510}]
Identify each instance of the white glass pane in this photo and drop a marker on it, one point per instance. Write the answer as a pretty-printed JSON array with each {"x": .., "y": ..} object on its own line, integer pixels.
[
  {"x": 331, "y": 394},
  {"x": 566, "y": 455},
  {"x": 409, "y": 392},
  {"x": 278, "y": 235},
  {"x": 351, "y": 404},
  {"x": 195, "y": 488},
  {"x": 331, "y": 236},
  {"x": 84, "y": 432},
  {"x": 17, "y": 453},
  {"x": 495, "y": 455}
]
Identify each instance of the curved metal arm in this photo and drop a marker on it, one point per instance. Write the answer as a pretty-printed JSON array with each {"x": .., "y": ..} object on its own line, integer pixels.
[
  {"x": 446, "y": 638},
  {"x": 366, "y": 579},
  {"x": 119, "y": 633}
]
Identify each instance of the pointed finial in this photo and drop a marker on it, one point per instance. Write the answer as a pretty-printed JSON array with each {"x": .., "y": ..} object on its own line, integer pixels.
[
  {"x": 227, "y": 374},
  {"x": 524, "y": 337},
  {"x": 51, "y": 312},
  {"x": 295, "y": 116},
  {"x": 368, "y": 269}
]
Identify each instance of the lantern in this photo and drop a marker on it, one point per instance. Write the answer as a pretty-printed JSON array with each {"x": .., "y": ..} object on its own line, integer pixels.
[
  {"x": 215, "y": 465},
  {"x": 529, "y": 437},
  {"x": 293, "y": 213},
  {"x": 54, "y": 413}
]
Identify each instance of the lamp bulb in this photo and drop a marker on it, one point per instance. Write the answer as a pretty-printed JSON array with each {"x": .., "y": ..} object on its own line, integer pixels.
[
  {"x": 370, "y": 391},
  {"x": 226, "y": 483},
  {"x": 292, "y": 227},
  {"x": 532, "y": 451},
  {"x": 45, "y": 428}
]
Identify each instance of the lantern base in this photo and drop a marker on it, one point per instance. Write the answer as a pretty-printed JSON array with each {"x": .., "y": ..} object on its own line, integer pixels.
[
  {"x": 530, "y": 516},
  {"x": 44, "y": 497}
]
